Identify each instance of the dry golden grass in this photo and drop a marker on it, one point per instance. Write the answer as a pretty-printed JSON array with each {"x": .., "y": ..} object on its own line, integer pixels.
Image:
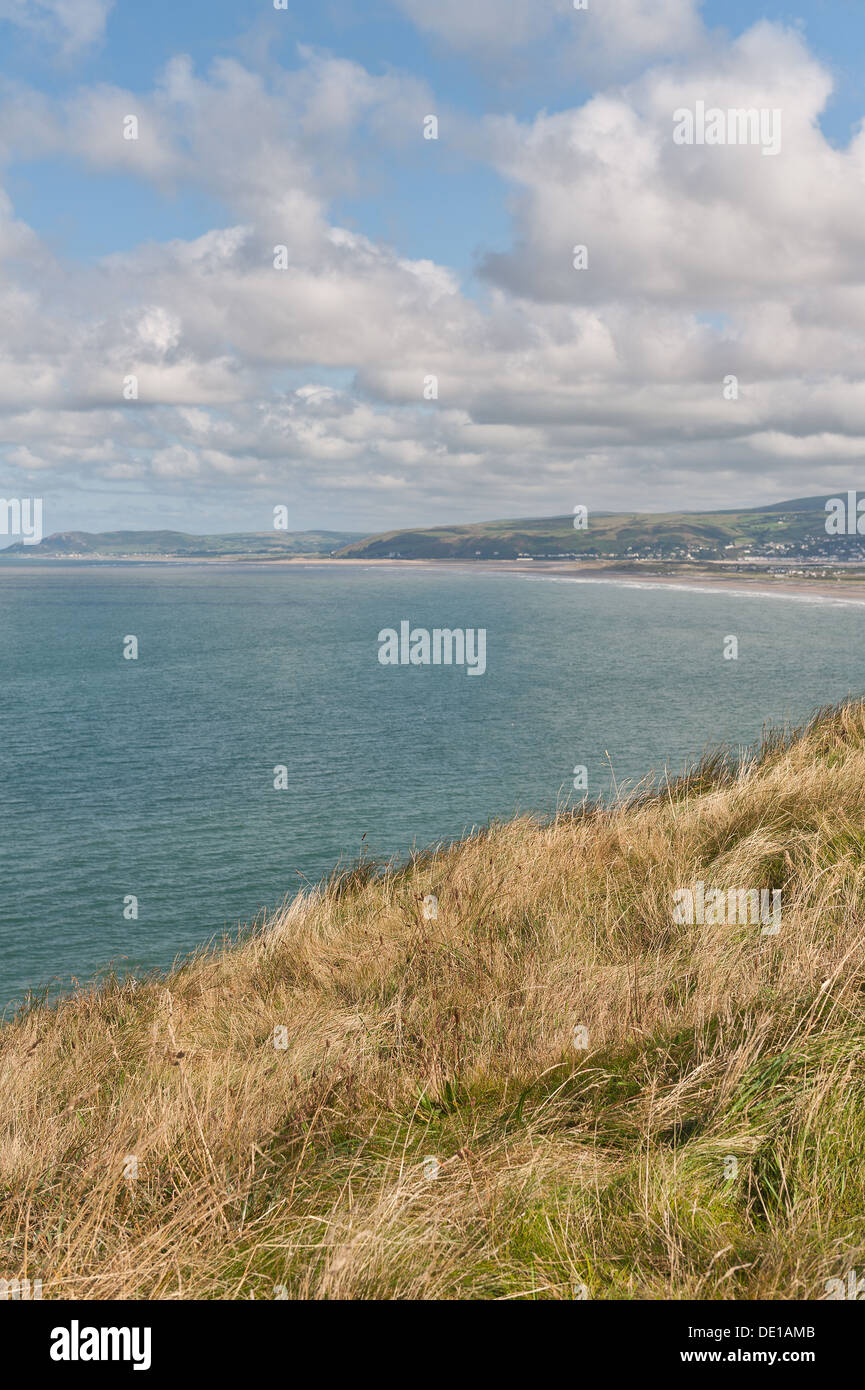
[{"x": 606, "y": 1168}]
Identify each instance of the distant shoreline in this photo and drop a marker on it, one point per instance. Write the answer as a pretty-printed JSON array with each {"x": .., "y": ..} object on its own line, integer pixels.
[{"x": 840, "y": 587}]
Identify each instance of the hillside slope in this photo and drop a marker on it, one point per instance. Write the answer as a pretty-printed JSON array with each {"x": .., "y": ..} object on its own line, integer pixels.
[
  {"x": 264, "y": 544},
  {"x": 430, "y": 1129},
  {"x": 674, "y": 535}
]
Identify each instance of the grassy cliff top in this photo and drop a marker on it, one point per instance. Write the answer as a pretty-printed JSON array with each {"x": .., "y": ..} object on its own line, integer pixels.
[{"x": 430, "y": 1129}]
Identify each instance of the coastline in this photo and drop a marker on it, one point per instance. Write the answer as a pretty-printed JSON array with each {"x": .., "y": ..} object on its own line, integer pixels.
[
  {"x": 768, "y": 585},
  {"x": 431, "y": 1072},
  {"x": 763, "y": 586}
]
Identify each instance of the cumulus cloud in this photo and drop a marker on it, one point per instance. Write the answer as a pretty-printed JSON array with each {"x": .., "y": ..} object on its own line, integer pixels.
[
  {"x": 684, "y": 222},
  {"x": 556, "y": 384},
  {"x": 602, "y": 38},
  {"x": 70, "y": 25}
]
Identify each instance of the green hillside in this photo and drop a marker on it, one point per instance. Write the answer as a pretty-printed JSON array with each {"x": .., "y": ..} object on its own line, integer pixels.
[
  {"x": 798, "y": 525},
  {"x": 786, "y": 530},
  {"x": 258, "y": 544}
]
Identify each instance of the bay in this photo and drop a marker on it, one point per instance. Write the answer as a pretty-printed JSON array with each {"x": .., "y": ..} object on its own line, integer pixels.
[{"x": 154, "y": 778}]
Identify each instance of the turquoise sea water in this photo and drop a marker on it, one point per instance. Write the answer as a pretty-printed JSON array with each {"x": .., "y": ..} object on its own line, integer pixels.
[{"x": 154, "y": 777}]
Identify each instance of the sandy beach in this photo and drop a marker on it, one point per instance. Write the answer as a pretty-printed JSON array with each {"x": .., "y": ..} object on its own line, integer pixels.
[
  {"x": 840, "y": 587},
  {"x": 846, "y": 588}
]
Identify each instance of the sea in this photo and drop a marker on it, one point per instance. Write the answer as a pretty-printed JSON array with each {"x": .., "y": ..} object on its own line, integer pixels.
[{"x": 159, "y": 793}]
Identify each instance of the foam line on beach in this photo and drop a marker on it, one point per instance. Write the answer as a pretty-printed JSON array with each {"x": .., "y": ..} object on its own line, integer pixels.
[{"x": 727, "y": 591}]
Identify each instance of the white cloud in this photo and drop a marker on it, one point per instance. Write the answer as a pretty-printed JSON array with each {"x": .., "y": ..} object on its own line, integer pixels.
[
  {"x": 680, "y": 223},
  {"x": 557, "y": 385},
  {"x": 608, "y": 35},
  {"x": 71, "y": 25}
]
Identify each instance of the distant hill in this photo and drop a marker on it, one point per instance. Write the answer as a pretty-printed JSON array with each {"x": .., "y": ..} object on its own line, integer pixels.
[
  {"x": 784, "y": 530},
  {"x": 798, "y": 525},
  {"x": 250, "y": 545}
]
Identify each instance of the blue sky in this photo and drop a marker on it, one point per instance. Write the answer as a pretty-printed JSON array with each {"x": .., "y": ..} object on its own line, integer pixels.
[
  {"x": 459, "y": 252},
  {"x": 445, "y": 209},
  {"x": 448, "y": 209}
]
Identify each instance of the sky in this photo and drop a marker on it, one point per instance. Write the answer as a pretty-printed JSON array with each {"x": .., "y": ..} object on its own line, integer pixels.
[{"x": 422, "y": 348}]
